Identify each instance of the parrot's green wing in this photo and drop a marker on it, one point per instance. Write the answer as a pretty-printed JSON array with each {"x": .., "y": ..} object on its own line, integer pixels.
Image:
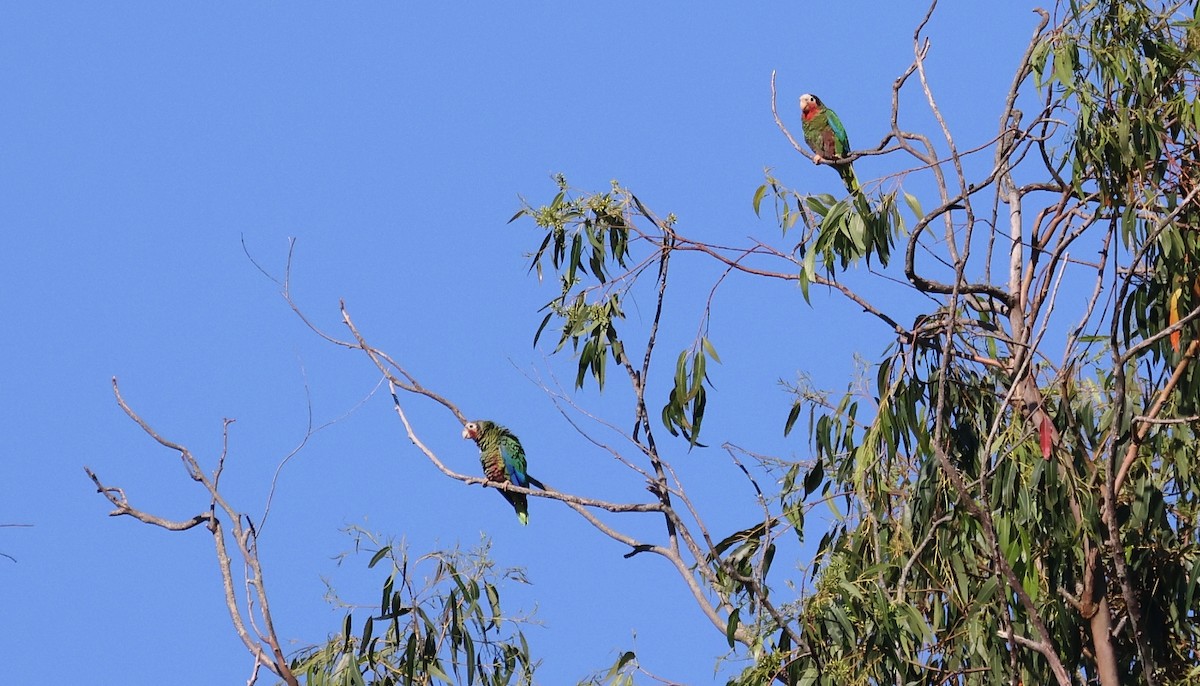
[
  {"x": 825, "y": 134},
  {"x": 503, "y": 461}
]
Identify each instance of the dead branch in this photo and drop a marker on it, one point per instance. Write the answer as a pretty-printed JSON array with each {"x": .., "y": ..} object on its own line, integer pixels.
[{"x": 262, "y": 643}]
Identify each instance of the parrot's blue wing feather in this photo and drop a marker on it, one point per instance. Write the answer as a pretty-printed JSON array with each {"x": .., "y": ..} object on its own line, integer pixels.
[
  {"x": 839, "y": 133},
  {"x": 514, "y": 462}
]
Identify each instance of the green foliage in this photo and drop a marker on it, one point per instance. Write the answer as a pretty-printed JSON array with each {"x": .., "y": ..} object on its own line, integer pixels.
[
  {"x": 955, "y": 534},
  {"x": 741, "y": 562},
  {"x": 1130, "y": 70},
  {"x": 620, "y": 674},
  {"x": 848, "y": 230},
  {"x": 875, "y": 596},
  {"x": 587, "y": 243},
  {"x": 842, "y": 232},
  {"x": 586, "y": 236},
  {"x": 925, "y": 578},
  {"x": 997, "y": 516},
  {"x": 1002, "y": 510},
  {"x": 684, "y": 410},
  {"x": 444, "y": 628}
]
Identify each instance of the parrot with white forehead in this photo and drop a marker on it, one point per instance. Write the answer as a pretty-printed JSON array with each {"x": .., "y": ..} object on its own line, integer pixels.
[
  {"x": 824, "y": 133},
  {"x": 503, "y": 460}
]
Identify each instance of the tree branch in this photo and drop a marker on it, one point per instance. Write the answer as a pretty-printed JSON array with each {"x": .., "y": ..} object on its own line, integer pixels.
[{"x": 269, "y": 655}]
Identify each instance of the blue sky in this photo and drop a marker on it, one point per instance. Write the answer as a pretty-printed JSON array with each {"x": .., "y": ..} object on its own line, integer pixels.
[{"x": 141, "y": 143}]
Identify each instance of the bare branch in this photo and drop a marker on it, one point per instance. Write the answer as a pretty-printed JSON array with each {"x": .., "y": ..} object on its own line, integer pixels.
[
  {"x": 547, "y": 492},
  {"x": 269, "y": 655},
  {"x": 116, "y": 496}
]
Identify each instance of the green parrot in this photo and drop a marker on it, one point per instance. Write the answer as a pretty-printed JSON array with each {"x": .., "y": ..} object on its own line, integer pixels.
[
  {"x": 503, "y": 460},
  {"x": 824, "y": 133}
]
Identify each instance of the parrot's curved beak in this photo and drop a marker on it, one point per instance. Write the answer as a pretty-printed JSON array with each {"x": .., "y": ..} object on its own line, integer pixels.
[{"x": 467, "y": 433}]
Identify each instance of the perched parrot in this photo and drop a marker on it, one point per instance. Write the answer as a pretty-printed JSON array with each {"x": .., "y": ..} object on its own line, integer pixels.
[
  {"x": 503, "y": 460},
  {"x": 824, "y": 133}
]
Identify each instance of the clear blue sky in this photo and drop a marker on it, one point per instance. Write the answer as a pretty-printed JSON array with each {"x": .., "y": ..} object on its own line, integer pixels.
[{"x": 141, "y": 142}]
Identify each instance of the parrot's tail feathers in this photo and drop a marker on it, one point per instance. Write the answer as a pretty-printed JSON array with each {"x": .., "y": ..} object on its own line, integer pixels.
[
  {"x": 847, "y": 172},
  {"x": 521, "y": 504}
]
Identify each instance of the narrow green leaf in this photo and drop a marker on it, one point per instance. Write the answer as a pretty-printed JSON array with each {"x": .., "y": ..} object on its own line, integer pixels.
[
  {"x": 1063, "y": 71},
  {"x": 681, "y": 372},
  {"x": 833, "y": 508},
  {"x": 383, "y": 552},
  {"x": 1193, "y": 582},
  {"x": 767, "y": 559},
  {"x": 368, "y": 627},
  {"x": 493, "y": 597},
  {"x": 625, "y": 659},
  {"x": 385, "y": 603},
  {"x": 1037, "y": 60},
  {"x": 697, "y": 373},
  {"x": 599, "y": 363},
  {"x": 857, "y": 230},
  {"x": 470, "y": 659},
  {"x": 987, "y": 590},
  {"x": 809, "y": 272},
  {"x": 542, "y": 326},
  {"x": 814, "y": 477},
  {"x": 753, "y": 533},
  {"x": 435, "y": 667},
  {"x": 793, "y": 414},
  {"x": 731, "y": 626},
  {"x": 576, "y": 257},
  {"x": 758, "y": 196},
  {"x": 914, "y": 205},
  {"x": 819, "y": 204}
]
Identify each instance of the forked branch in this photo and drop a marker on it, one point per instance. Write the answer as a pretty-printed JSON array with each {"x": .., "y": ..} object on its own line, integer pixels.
[{"x": 258, "y": 635}]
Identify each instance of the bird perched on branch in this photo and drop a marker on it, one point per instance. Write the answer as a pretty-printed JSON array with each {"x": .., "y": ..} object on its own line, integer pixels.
[
  {"x": 824, "y": 133},
  {"x": 503, "y": 460}
]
